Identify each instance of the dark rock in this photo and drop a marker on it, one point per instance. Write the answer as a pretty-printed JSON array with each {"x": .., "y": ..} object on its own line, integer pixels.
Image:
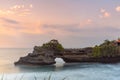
[
  {"x": 46, "y": 54},
  {"x": 114, "y": 59},
  {"x": 45, "y": 57}
]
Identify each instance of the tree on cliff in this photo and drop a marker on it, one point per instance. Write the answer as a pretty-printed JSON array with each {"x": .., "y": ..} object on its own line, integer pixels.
[
  {"x": 53, "y": 45},
  {"x": 106, "y": 49},
  {"x": 96, "y": 51}
]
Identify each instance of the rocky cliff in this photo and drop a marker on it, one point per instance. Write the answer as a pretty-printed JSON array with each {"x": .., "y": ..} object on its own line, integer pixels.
[
  {"x": 42, "y": 55},
  {"x": 46, "y": 54}
]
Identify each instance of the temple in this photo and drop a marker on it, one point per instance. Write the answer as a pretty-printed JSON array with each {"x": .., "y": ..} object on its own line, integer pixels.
[{"x": 118, "y": 42}]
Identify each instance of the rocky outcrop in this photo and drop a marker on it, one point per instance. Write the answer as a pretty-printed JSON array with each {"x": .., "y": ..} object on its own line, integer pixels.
[
  {"x": 71, "y": 59},
  {"x": 46, "y": 54},
  {"x": 41, "y": 57}
]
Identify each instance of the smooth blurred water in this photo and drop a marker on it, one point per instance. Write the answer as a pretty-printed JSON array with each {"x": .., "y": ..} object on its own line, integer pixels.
[{"x": 76, "y": 71}]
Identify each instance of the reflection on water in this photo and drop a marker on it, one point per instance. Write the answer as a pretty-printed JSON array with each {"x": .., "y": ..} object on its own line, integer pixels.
[
  {"x": 8, "y": 57},
  {"x": 25, "y": 68}
]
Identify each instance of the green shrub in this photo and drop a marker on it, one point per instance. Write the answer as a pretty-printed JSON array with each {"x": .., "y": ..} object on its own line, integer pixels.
[
  {"x": 56, "y": 46},
  {"x": 106, "y": 49},
  {"x": 96, "y": 51}
]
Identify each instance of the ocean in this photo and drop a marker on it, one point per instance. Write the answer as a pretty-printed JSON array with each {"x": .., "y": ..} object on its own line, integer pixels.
[{"x": 60, "y": 71}]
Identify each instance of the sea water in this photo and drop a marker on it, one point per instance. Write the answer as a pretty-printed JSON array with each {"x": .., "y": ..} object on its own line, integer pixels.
[{"x": 60, "y": 71}]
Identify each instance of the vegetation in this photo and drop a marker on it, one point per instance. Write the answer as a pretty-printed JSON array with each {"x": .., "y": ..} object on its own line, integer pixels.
[
  {"x": 106, "y": 49},
  {"x": 96, "y": 51},
  {"x": 53, "y": 45}
]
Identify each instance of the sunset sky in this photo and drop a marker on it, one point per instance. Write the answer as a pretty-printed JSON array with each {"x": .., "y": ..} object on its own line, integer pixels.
[{"x": 75, "y": 23}]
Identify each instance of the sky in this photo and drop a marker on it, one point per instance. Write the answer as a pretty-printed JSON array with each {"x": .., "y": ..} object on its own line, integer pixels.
[{"x": 75, "y": 23}]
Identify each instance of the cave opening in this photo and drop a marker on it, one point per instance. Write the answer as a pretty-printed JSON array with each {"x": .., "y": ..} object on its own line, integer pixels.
[{"x": 59, "y": 62}]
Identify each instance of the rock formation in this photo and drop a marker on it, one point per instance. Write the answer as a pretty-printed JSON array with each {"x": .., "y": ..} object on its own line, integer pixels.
[
  {"x": 46, "y": 54},
  {"x": 42, "y": 55}
]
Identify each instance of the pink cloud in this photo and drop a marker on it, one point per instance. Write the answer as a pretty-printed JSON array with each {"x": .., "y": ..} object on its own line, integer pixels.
[
  {"x": 104, "y": 14},
  {"x": 118, "y": 8},
  {"x": 18, "y": 10}
]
